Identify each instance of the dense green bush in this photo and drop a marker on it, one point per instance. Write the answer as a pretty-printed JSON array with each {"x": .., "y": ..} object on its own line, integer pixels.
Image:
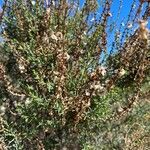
[{"x": 60, "y": 87}]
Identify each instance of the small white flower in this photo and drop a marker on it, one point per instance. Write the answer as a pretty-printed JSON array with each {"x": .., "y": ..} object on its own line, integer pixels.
[
  {"x": 56, "y": 73},
  {"x": 59, "y": 35},
  {"x": 110, "y": 14},
  {"x": 66, "y": 56},
  {"x": 91, "y": 86},
  {"x": 85, "y": 43},
  {"x": 102, "y": 70},
  {"x": 54, "y": 37},
  {"x": 118, "y": 34},
  {"x": 33, "y": 2},
  {"x": 2, "y": 110},
  {"x": 48, "y": 10},
  {"x": 92, "y": 19},
  {"x": 53, "y": 3},
  {"x": 27, "y": 102},
  {"x": 120, "y": 109},
  {"x": 82, "y": 51},
  {"x": 85, "y": 32},
  {"x": 87, "y": 93},
  {"x": 129, "y": 25},
  {"x": 122, "y": 72},
  {"x": 96, "y": 86},
  {"x": 21, "y": 68},
  {"x": 107, "y": 81},
  {"x": 62, "y": 78},
  {"x": 122, "y": 24},
  {"x": 134, "y": 6}
]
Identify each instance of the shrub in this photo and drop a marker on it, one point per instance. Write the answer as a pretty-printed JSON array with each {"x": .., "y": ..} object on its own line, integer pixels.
[{"x": 55, "y": 89}]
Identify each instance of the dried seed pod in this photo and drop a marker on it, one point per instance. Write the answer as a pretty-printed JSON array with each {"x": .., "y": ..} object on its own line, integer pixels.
[
  {"x": 93, "y": 76},
  {"x": 122, "y": 72},
  {"x": 53, "y": 36},
  {"x": 143, "y": 31},
  {"x": 101, "y": 70},
  {"x": 59, "y": 35}
]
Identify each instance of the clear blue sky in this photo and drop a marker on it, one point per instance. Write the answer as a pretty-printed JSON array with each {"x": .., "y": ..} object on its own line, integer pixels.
[{"x": 1, "y": 2}]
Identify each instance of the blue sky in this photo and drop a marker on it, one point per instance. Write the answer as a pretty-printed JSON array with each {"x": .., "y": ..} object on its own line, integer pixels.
[{"x": 1, "y": 2}]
